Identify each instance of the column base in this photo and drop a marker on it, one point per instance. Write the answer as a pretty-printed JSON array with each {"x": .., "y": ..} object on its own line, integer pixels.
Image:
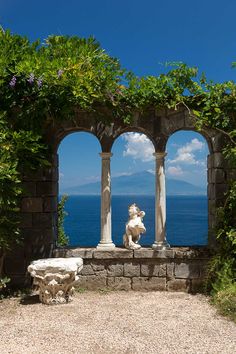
[
  {"x": 105, "y": 246},
  {"x": 160, "y": 245}
]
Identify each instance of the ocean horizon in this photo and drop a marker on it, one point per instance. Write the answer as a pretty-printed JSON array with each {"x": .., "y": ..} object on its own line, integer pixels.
[{"x": 186, "y": 222}]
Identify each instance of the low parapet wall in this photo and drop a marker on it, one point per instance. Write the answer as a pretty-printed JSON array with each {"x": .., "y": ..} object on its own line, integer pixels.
[{"x": 175, "y": 269}]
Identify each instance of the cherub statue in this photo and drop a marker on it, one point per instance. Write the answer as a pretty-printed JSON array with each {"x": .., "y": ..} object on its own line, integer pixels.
[{"x": 134, "y": 227}]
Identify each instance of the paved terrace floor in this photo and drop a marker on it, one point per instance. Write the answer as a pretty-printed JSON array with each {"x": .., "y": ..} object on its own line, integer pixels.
[{"x": 116, "y": 322}]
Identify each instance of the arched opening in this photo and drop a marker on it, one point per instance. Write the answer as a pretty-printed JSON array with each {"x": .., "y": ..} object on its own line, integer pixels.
[
  {"x": 79, "y": 179},
  {"x": 133, "y": 181},
  {"x": 186, "y": 186}
]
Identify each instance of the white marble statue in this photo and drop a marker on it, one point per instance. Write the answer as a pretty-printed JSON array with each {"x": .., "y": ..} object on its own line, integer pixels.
[
  {"x": 134, "y": 228},
  {"x": 55, "y": 278}
]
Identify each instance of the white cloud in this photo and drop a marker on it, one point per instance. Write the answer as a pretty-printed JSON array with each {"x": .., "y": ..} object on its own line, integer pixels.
[
  {"x": 175, "y": 171},
  {"x": 61, "y": 175},
  {"x": 138, "y": 146},
  {"x": 185, "y": 154},
  {"x": 120, "y": 174}
]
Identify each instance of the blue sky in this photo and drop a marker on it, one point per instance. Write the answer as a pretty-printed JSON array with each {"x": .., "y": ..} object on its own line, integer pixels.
[{"x": 141, "y": 34}]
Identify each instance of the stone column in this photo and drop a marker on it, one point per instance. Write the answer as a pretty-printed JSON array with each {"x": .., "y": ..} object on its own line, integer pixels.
[
  {"x": 106, "y": 240},
  {"x": 160, "y": 204}
]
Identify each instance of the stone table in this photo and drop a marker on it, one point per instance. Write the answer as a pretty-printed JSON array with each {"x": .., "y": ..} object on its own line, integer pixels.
[{"x": 55, "y": 278}]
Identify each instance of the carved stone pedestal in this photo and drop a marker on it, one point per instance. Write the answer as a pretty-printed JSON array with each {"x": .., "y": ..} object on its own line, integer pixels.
[{"x": 55, "y": 278}]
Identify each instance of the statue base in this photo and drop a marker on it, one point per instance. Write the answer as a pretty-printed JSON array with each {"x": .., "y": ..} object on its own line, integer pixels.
[{"x": 160, "y": 245}]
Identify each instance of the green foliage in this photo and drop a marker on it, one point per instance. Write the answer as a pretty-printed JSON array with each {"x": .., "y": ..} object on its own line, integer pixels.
[
  {"x": 20, "y": 151},
  {"x": 3, "y": 283},
  {"x": 80, "y": 290},
  {"x": 225, "y": 300},
  {"x": 63, "y": 239},
  {"x": 222, "y": 270}
]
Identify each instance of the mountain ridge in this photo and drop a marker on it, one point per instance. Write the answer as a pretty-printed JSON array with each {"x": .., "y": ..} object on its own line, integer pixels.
[{"x": 141, "y": 183}]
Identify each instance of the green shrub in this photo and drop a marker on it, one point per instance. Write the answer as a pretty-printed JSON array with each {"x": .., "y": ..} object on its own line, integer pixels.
[
  {"x": 63, "y": 239},
  {"x": 225, "y": 301}
]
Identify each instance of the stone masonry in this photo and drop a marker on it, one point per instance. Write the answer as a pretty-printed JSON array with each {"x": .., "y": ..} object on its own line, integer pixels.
[{"x": 176, "y": 269}]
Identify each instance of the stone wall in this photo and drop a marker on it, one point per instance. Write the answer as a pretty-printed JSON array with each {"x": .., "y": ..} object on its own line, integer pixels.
[
  {"x": 175, "y": 269},
  {"x": 40, "y": 198},
  {"x": 220, "y": 174}
]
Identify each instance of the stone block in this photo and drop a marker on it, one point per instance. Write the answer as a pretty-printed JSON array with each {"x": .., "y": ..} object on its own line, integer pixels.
[
  {"x": 219, "y": 141},
  {"x": 146, "y": 283},
  {"x": 39, "y": 236},
  {"x": 33, "y": 175},
  {"x": 197, "y": 286},
  {"x": 218, "y": 175},
  {"x": 87, "y": 270},
  {"x": 191, "y": 252},
  {"x": 98, "y": 267},
  {"x": 51, "y": 174},
  {"x": 92, "y": 282},
  {"x": 204, "y": 268},
  {"x": 144, "y": 253},
  {"x": 131, "y": 270},
  {"x": 219, "y": 203},
  {"x": 211, "y": 191},
  {"x": 85, "y": 253},
  {"x": 211, "y": 207},
  {"x": 62, "y": 252},
  {"x": 185, "y": 270},
  {"x": 33, "y": 205},
  {"x": 44, "y": 220},
  {"x": 47, "y": 188},
  {"x": 219, "y": 161},
  {"x": 189, "y": 121},
  {"x": 173, "y": 123},
  {"x": 220, "y": 190},
  {"x": 29, "y": 189},
  {"x": 170, "y": 270},
  {"x": 119, "y": 253},
  {"x": 209, "y": 175},
  {"x": 178, "y": 285},
  {"x": 26, "y": 220},
  {"x": 231, "y": 175},
  {"x": 50, "y": 204},
  {"x": 38, "y": 251},
  {"x": 167, "y": 253},
  {"x": 115, "y": 270},
  {"x": 119, "y": 283},
  {"x": 55, "y": 160},
  {"x": 210, "y": 161},
  {"x": 153, "y": 270}
]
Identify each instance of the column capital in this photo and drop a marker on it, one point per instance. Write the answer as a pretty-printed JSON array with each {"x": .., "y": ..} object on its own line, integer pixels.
[
  {"x": 160, "y": 155},
  {"x": 106, "y": 155}
]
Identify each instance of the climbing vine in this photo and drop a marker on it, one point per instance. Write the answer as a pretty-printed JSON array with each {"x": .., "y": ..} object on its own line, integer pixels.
[{"x": 44, "y": 82}]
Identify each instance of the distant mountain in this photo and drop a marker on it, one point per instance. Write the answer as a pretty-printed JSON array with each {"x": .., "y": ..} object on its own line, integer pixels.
[{"x": 142, "y": 183}]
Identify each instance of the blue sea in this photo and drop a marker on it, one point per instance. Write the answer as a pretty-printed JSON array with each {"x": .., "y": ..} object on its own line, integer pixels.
[{"x": 187, "y": 223}]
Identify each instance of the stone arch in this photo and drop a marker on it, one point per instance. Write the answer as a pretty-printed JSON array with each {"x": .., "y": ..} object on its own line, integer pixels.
[{"x": 39, "y": 201}]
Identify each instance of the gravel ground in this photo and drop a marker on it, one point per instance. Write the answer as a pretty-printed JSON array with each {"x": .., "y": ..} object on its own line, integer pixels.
[{"x": 116, "y": 322}]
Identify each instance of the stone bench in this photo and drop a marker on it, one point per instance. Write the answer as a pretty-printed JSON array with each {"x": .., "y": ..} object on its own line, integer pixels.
[{"x": 55, "y": 278}]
